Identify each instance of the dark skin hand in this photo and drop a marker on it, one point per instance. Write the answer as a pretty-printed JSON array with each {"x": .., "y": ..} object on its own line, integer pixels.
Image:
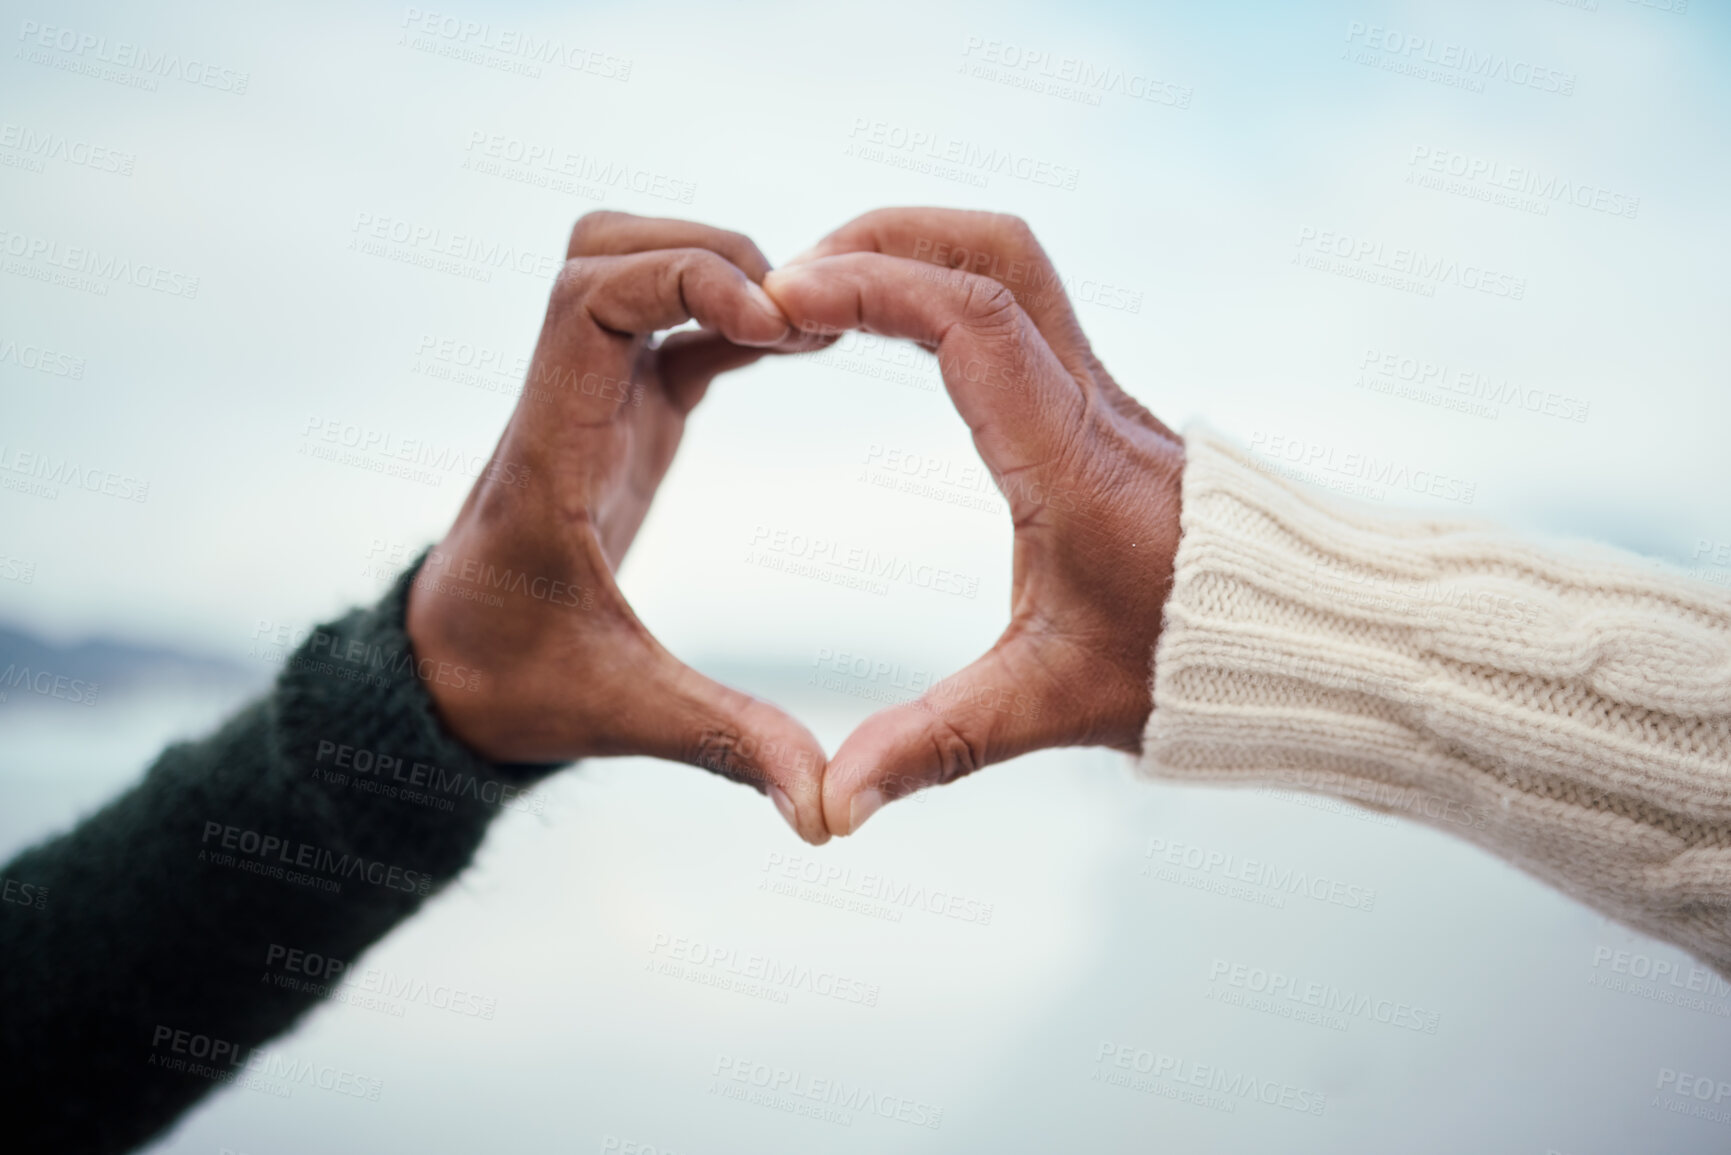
[
  {"x": 1091, "y": 477},
  {"x": 568, "y": 671}
]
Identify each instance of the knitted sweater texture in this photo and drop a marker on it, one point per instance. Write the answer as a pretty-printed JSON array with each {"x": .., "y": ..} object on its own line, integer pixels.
[
  {"x": 1566, "y": 708},
  {"x": 157, "y": 960}
]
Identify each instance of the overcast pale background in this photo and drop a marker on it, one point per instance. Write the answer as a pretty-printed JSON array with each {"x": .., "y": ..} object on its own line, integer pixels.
[{"x": 1276, "y": 129}]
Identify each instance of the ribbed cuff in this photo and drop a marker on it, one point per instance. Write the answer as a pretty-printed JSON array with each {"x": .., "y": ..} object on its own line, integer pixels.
[
  {"x": 1567, "y": 709},
  {"x": 1279, "y": 659},
  {"x": 356, "y": 726}
]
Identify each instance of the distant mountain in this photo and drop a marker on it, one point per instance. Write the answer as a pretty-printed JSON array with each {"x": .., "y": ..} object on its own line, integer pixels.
[{"x": 114, "y": 667}]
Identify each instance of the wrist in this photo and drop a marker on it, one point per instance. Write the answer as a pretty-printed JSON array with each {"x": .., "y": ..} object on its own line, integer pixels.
[
  {"x": 457, "y": 678},
  {"x": 1152, "y": 562}
]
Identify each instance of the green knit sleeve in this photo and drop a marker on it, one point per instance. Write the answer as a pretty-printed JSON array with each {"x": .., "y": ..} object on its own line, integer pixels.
[{"x": 314, "y": 820}]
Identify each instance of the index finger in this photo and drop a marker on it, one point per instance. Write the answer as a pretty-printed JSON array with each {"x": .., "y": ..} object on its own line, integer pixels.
[
  {"x": 609, "y": 233},
  {"x": 996, "y": 245},
  {"x": 1017, "y": 398}
]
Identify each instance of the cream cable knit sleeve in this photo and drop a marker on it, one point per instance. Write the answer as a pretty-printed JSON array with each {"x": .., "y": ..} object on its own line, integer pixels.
[{"x": 1570, "y": 711}]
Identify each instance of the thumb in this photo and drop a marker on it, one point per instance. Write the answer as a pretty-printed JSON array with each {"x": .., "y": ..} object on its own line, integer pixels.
[
  {"x": 687, "y": 717},
  {"x": 982, "y": 715},
  {"x": 692, "y": 358}
]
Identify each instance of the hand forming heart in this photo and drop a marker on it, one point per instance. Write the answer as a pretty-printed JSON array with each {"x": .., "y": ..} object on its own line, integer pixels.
[
  {"x": 569, "y": 671},
  {"x": 1092, "y": 481},
  {"x": 1091, "y": 477}
]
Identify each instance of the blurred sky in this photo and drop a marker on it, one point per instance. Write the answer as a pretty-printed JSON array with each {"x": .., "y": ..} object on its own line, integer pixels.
[{"x": 1281, "y": 138}]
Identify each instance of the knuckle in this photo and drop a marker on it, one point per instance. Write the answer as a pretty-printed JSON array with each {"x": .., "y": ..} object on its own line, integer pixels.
[
  {"x": 1017, "y": 231},
  {"x": 698, "y": 259},
  {"x": 958, "y": 752},
  {"x": 989, "y": 305},
  {"x": 573, "y": 283},
  {"x": 1017, "y": 236},
  {"x": 873, "y": 220},
  {"x": 738, "y": 245},
  {"x": 588, "y": 227}
]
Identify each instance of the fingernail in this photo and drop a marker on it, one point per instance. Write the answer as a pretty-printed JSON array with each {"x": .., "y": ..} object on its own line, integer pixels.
[
  {"x": 767, "y": 303},
  {"x": 764, "y": 301},
  {"x": 865, "y": 804},
  {"x": 802, "y": 256},
  {"x": 785, "y": 804}
]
